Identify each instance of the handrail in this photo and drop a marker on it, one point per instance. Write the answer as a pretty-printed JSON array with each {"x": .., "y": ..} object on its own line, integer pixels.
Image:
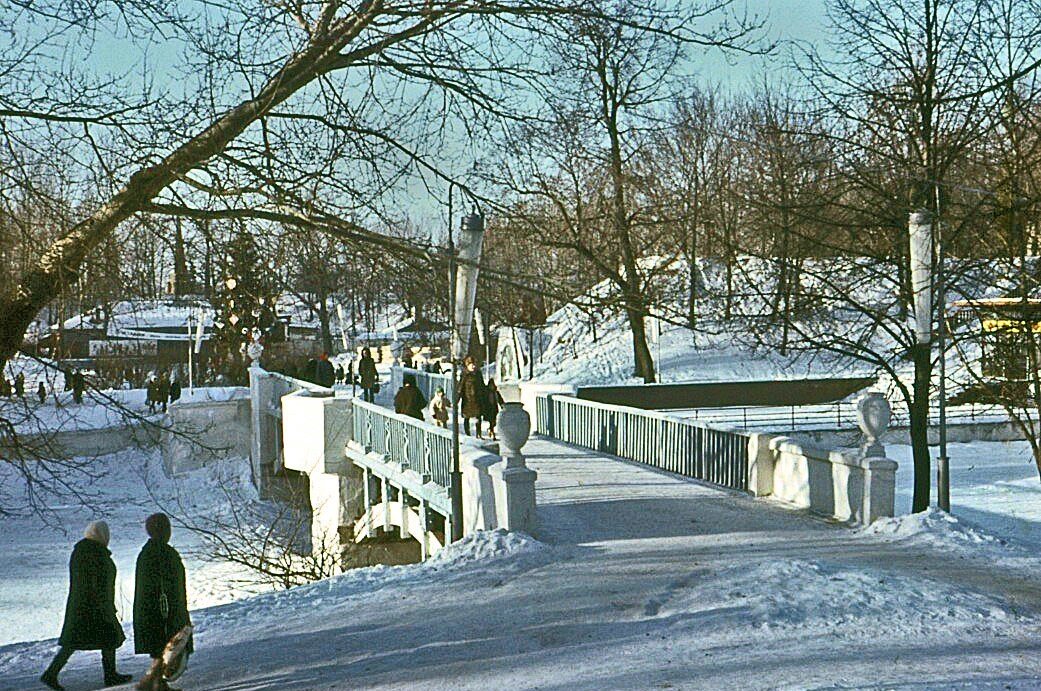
[
  {"x": 420, "y": 446},
  {"x": 298, "y": 383},
  {"x": 686, "y": 447}
]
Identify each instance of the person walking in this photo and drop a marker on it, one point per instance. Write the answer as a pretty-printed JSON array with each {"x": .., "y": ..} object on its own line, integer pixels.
[
  {"x": 162, "y": 390},
  {"x": 367, "y": 376},
  {"x": 175, "y": 389},
  {"x": 160, "y": 593},
  {"x": 151, "y": 393},
  {"x": 78, "y": 385},
  {"x": 90, "y": 611},
  {"x": 439, "y": 408},
  {"x": 409, "y": 400},
  {"x": 324, "y": 375},
  {"x": 19, "y": 385},
  {"x": 472, "y": 396},
  {"x": 41, "y": 393},
  {"x": 493, "y": 403}
]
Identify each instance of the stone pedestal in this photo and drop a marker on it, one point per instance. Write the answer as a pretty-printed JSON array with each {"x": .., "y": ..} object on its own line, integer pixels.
[{"x": 515, "y": 482}]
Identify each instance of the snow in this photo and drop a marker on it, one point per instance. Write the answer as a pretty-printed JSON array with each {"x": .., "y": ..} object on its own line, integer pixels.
[
  {"x": 127, "y": 317},
  {"x": 635, "y": 579},
  {"x": 129, "y": 485},
  {"x": 101, "y": 409}
]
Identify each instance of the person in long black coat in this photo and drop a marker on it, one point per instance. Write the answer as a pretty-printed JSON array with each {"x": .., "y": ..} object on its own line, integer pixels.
[
  {"x": 368, "y": 377},
  {"x": 472, "y": 396},
  {"x": 324, "y": 375},
  {"x": 160, "y": 594},
  {"x": 493, "y": 403},
  {"x": 409, "y": 400},
  {"x": 90, "y": 611}
]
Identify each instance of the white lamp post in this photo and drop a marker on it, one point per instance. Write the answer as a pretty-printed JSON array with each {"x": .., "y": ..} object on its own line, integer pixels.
[
  {"x": 923, "y": 271},
  {"x": 463, "y": 288}
]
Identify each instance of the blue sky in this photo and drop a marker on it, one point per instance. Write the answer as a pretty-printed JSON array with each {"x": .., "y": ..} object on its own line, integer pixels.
[{"x": 787, "y": 20}]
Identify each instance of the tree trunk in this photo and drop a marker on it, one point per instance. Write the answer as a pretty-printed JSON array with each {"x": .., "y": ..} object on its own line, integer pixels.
[
  {"x": 60, "y": 265},
  {"x": 644, "y": 363},
  {"x": 919, "y": 424}
]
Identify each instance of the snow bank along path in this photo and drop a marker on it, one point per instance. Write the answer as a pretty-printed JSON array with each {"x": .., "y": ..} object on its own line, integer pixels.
[{"x": 640, "y": 580}]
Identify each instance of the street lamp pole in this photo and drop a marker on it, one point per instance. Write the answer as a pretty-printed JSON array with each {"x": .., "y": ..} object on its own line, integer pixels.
[
  {"x": 462, "y": 296},
  {"x": 456, "y": 485},
  {"x": 927, "y": 273},
  {"x": 943, "y": 463}
]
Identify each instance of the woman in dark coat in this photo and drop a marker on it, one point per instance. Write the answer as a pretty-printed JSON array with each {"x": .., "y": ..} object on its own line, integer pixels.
[
  {"x": 367, "y": 375},
  {"x": 472, "y": 394},
  {"x": 160, "y": 595},
  {"x": 90, "y": 612},
  {"x": 409, "y": 400}
]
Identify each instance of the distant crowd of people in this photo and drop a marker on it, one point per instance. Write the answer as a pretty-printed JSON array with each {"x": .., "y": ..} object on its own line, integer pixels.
[{"x": 161, "y": 390}]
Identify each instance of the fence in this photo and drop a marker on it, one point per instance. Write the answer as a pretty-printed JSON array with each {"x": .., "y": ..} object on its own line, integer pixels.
[
  {"x": 680, "y": 446},
  {"x": 419, "y": 446},
  {"x": 840, "y": 415}
]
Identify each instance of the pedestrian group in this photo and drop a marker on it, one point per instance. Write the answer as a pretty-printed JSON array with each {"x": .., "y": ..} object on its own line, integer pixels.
[{"x": 91, "y": 622}]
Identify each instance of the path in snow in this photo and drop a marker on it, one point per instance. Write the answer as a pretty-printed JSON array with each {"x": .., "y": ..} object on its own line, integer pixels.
[{"x": 649, "y": 581}]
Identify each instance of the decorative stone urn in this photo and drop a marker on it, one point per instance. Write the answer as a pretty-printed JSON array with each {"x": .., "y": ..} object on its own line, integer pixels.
[
  {"x": 873, "y": 415},
  {"x": 513, "y": 428},
  {"x": 254, "y": 350}
]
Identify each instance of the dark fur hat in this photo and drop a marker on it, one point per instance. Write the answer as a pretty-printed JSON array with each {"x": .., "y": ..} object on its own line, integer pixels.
[{"x": 158, "y": 527}]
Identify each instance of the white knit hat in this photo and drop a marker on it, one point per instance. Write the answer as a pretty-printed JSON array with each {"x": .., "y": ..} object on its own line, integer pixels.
[{"x": 97, "y": 531}]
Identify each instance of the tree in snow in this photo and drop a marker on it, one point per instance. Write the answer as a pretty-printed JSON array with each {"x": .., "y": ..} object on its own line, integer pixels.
[{"x": 579, "y": 160}]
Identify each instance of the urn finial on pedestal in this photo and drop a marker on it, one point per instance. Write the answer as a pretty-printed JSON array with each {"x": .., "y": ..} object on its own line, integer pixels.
[
  {"x": 254, "y": 350},
  {"x": 873, "y": 416},
  {"x": 513, "y": 428}
]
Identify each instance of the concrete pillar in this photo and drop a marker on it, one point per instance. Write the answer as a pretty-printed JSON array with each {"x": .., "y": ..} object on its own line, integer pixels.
[
  {"x": 514, "y": 481},
  {"x": 760, "y": 465},
  {"x": 258, "y": 401},
  {"x": 879, "y": 489}
]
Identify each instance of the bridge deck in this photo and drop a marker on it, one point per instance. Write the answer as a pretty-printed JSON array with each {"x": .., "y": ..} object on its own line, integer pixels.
[{"x": 627, "y": 602}]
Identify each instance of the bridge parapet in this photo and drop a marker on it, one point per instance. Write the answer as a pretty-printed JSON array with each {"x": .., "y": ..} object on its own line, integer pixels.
[
  {"x": 372, "y": 471},
  {"x": 845, "y": 486}
]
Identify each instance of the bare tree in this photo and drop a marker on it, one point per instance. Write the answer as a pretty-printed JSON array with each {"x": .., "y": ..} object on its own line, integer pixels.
[{"x": 612, "y": 82}]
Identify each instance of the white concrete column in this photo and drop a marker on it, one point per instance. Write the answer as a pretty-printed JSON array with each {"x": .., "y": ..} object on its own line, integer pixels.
[
  {"x": 879, "y": 489},
  {"x": 258, "y": 379},
  {"x": 760, "y": 465}
]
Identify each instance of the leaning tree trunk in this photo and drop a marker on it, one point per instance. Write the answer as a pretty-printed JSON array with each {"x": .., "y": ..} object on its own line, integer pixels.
[
  {"x": 60, "y": 265},
  {"x": 919, "y": 426}
]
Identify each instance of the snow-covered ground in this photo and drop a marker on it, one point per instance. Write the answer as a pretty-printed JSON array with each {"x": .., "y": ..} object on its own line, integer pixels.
[
  {"x": 638, "y": 580},
  {"x": 128, "y": 487},
  {"x": 100, "y": 409},
  {"x": 994, "y": 485}
]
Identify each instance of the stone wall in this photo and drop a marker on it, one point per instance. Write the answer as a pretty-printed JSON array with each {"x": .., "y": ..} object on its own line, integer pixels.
[
  {"x": 840, "y": 485},
  {"x": 200, "y": 432}
]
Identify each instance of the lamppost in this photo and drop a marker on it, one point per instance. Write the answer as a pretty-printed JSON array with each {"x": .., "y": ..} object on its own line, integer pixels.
[
  {"x": 462, "y": 288},
  {"x": 925, "y": 245}
]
